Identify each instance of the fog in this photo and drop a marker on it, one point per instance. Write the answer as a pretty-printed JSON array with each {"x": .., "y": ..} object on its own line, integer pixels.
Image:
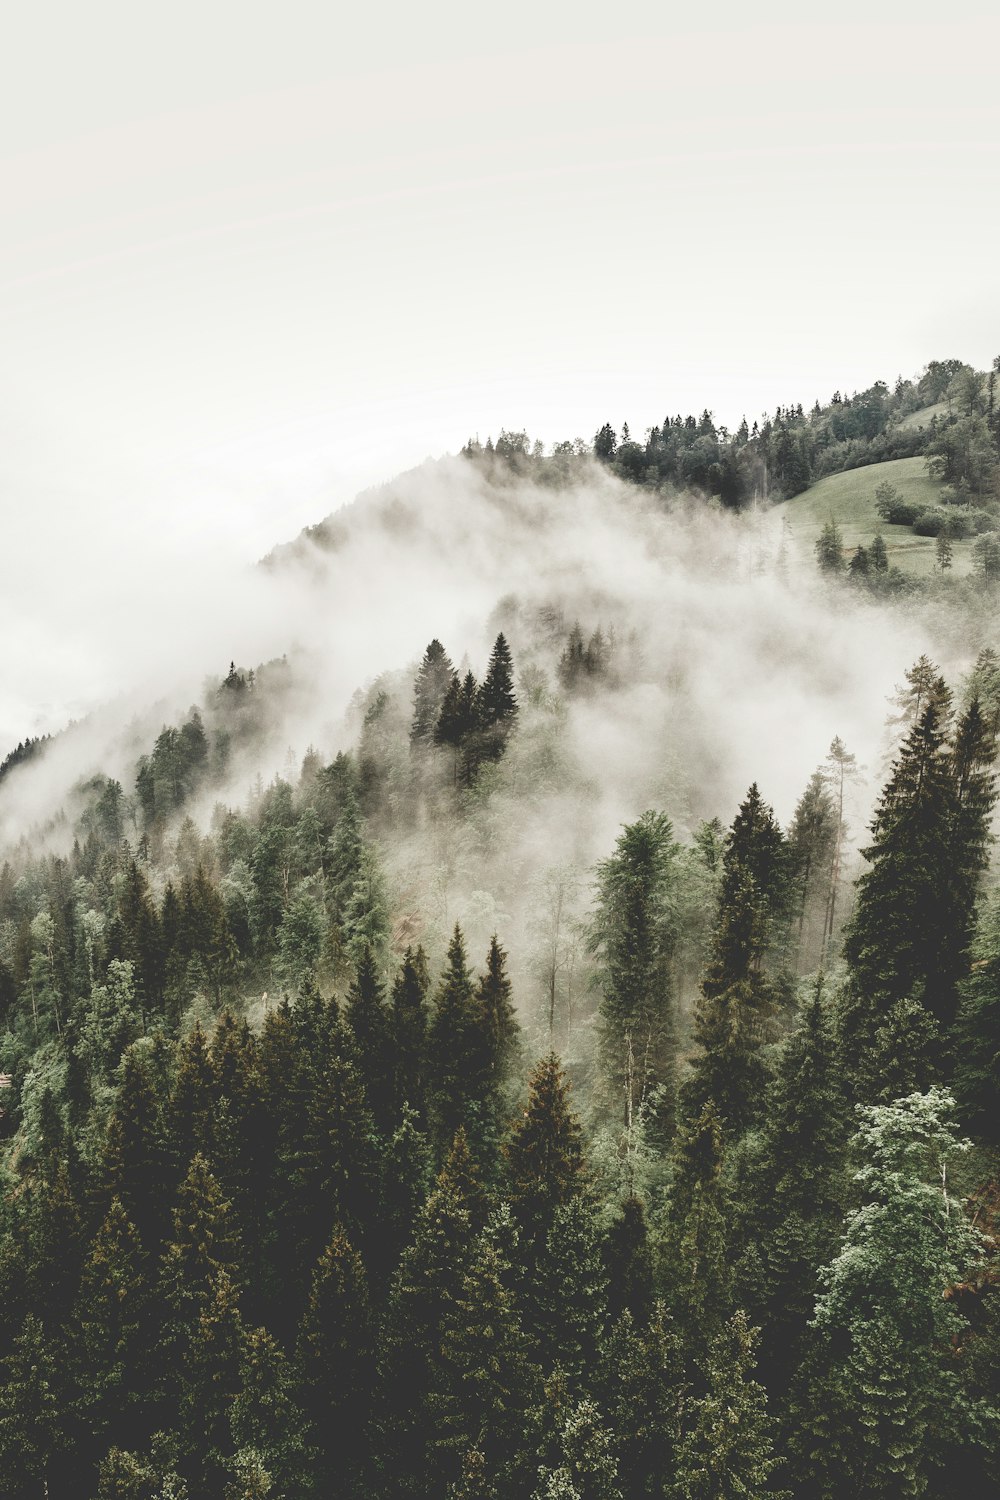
[{"x": 734, "y": 665}]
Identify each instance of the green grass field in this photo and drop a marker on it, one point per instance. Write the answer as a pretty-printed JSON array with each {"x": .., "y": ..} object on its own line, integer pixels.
[
  {"x": 850, "y": 500},
  {"x": 922, "y": 418}
]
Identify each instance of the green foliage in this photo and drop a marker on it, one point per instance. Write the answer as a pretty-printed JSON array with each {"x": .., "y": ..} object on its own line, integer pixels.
[{"x": 885, "y": 1407}]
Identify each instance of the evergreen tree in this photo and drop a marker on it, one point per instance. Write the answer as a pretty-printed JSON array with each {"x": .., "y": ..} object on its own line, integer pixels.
[
  {"x": 544, "y": 1156},
  {"x": 209, "y": 1386},
  {"x": 695, "y": 1241},
  {"x": 585, "y": 1466},
  {"x": 424, "y": 1299},
  {"x": 433, "y": 679},
  {"x": 568, "y": 1293},
  {"x": 727, "y": 1449},
  {"x": 487, "y": 1385},
  {"x": 369, "y": 1039},
  {"x": 408, "y": 1032},
  {"x": 628, "y": 1260},
  {"x": 496, "y": 701},
  {"x": 642, "y": 1387},
  {"x": 911, "y": 926},
  {"x": 977, "y": 1051},
  {"x": 455, "y": 1052},
  {"x": 335, "y": 1360},
  {"x": 829, "y": 549},
  {"x": 267, "y": 1424},
  {"x": 35, "y": 1438},
  {"x": 737, "y": 994},
  {"x": 111, "y": 1334},
  {"x": 789, "y": 1191},
  {"x": 633, "y": 934},
  {"x": 882, "y": 1408}
]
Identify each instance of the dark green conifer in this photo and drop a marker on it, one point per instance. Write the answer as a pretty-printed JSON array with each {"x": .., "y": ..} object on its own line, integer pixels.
[
  {"x": 335, "y": 1357},
  {"x": 433, "y": 679},
  {"x": 544, "y": 1156}
]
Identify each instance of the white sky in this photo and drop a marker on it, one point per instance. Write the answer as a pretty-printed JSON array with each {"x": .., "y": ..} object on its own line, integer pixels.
[{"x": 254, "y": 257}]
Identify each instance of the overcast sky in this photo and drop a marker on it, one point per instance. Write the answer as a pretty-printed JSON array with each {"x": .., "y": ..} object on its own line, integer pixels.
[{"x": 255, "y": 257}]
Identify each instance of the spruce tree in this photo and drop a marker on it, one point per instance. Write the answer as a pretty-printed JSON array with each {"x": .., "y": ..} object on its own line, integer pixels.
[
  {"x": 267, "y": 1423},
  {"x": 544, "y": 1156},
  {"x": 695, "y": 1239},
  {"x": 455, "y": 1052},
  {"x": 408, "y": 1033},
  {"x": 737, "y": 994},
  {"x": 642, "y": 1385},
  {"x": 135, "y": 1162},
  {"x": 633, "y": 935},
  {"x": 111, "y": 1334},
  {"x": 880, "y": 1407},
  {"x": 367, "y": 1020},
  {"x": 628, "y": 1259},
  {"x": 432, "y": 681},
  {"x": 726, "y": 1450},
  {"x": 335, "y": 1356},
  {"x": 487, "y": 1384},
  {"x": 424, "y": 1299},
  {"x": 789, "y": 1190}
]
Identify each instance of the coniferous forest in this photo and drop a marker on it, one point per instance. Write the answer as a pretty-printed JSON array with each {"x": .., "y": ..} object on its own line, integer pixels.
[{"x": 490, "y": 1097}]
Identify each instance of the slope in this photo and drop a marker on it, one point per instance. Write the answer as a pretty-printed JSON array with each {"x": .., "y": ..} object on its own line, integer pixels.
[{"x": 849, "y": 498}]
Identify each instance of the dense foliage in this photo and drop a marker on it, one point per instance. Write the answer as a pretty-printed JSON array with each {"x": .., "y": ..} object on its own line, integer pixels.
[{"x": 306, "y": 1194}]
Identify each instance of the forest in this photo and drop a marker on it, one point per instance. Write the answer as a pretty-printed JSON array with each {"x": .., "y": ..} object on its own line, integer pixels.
[{"x": 495, "y": 1099}]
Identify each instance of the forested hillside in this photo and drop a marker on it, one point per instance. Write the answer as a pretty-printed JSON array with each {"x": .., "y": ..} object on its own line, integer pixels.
[{"x": 538, "y": 1033}]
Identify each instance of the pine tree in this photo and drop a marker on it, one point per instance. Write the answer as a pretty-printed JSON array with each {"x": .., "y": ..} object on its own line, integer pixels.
[
  {"x": 369, "y": 1039},
  {"x": 881, "y": 1407},
  {"x": 642, "y": 1385},
  {"x": 432, "y": 682},
  {"x": 727, "y": 1449},
  {"x": 408, "y": 1031},
  {"x": 335, "y": 1360},
  {"x": 455, "y": 1052},
  {"x": 789, "y": 1190},
  {"x": 695, "y": 1241},
  {"x": 737, "y": 994},
  {"x": 633, "y": 934},
  {"x": 496, "y": 702},
  {"x": 544, "y": 1156}
]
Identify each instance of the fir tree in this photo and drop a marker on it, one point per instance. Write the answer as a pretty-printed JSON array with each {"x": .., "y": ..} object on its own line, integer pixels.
[
  {"x": 408, "y": 1031},
  {"x": 335, "y": 1361},
  {"x": 633, "y": 935},
  {"x": 737, "y": 998},
  {"x": 727, "y": 1449},
  {"x": 433, "y": 679},
  {"x": 544, "y": 1156},
  {"x": 695, "y": 1244},
  {"x": 881, "y": 1407}
]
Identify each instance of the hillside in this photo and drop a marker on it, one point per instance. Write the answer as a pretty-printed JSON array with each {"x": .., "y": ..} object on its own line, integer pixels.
[{"x": 849, "y": 499}]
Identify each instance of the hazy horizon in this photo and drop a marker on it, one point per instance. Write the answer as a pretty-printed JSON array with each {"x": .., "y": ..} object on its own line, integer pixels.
[{"x": 252, "y": 265}]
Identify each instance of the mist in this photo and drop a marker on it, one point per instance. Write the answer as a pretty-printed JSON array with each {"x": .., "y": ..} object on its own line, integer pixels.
[{"x": 734, "y": 663}]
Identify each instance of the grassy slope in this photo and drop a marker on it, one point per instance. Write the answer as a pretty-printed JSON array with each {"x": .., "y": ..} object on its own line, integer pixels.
[{"x": 850, "y": 499}]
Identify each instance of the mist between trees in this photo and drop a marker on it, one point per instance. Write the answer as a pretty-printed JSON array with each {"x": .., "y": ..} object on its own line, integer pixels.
[{"x": 517, "y": 1037}]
